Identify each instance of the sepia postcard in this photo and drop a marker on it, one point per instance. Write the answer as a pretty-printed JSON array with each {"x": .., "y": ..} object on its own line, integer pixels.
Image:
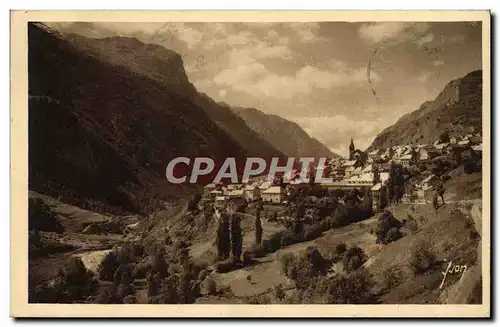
[{"x": 199, "y": 163}]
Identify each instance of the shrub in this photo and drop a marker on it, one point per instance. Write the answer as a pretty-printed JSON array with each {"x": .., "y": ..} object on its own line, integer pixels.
[
  {"x": 353, "y": 258},
  {"x": 160, "y": 265},
  {"x": 258, "y": 299},
  {"x": 210, "y": 286},
  {"x": 305, "y": 267},
  {"x": 422, "y": 259},
  {"x": 339, "y": 251},
  {"x": 108, "y": 295},
  {"x": 411, "y": 224},
  {"x": 158, "y": 299},
  {"x": 392, "y": 235},
  {"x": 193, "y": 203},
  {"x": 124, "y": 290},
  {"x": 130, "y": 299},
  {"x": 203, "y": 274},
  {"x": 316, "y": 260},
  {"x": 274, "y": 241},
  {"x": 141, "y": 270},
  {"x": 247, "y": 257},
  {"x": 470, "y": 167},
  {"x": 278, "y": 292},
  {"x": 386, "y": 222},
  {"x": 473, "y": 234},
  {"x": 289, "y": 239},
  {"x": 108, "y": 266},
  {"x": 392, "y": 277},
  {"x": 123, "y": 274},
  {"x": 224, "y": 266},
  {"x": 258, "y": 251},
  {"x": 355, "y": 288},
  {"x": 317, "y": 230},
  {"x": 154, "y": 284},
  {"x": 287, "y": 262}
]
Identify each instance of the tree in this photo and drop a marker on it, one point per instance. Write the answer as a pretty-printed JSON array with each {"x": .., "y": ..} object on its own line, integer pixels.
[
  {"x": 323, "y": 207},
  {"x": 383, "y": 198},
  {"x": 108, "y": 295},
  {"x": 396, "y": 183},
  {"x": 354, "y": 288},
  {"x": 387, "y": 222},
  {"x": 108, "y": 266},
  {"x": 297, "y": 222},
  {"x": 154, "y": 284},
  {"x": 376, "y": 174},
  {"x": 258, "y": 229},
  {"x": 440, "y": 190},
  {"x": 223, "y": 238},
  {"x": 123, "y": 274},
  {"x": 236, "y": 238},
  {"x": 444, "y": 137},
  {"x": 470, "y": 166},
  {"x": 160, "y": 266},
  {"x": 435, "y": 203},
  {"x": 278, "y": 292},
  {"x": 367, "y": 205},
  {"x": 193, "y": 204}
]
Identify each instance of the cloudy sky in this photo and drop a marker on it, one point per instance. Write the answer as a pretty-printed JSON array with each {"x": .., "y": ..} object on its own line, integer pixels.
[{"x": 336, "y": 79}]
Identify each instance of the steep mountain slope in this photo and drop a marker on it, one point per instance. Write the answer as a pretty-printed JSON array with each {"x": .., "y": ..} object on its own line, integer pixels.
[
  {"x": 283, "y": 134},
  {"x": 458, "y": 109},
  {"x": 166, "y": 67},
  {"x": 104, "y": 133}
]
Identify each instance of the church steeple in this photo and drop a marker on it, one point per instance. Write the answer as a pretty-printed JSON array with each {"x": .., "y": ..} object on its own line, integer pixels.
[{"x": 352, "y": 148}]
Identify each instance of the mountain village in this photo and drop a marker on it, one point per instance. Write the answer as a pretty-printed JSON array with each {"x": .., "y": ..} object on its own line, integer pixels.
[{"x": 362, "y": 170}]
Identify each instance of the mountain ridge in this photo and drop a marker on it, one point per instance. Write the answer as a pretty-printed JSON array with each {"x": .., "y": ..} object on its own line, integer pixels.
[
  {"x": 283, "y": 134},
  {"x": 456, "y": 109}
]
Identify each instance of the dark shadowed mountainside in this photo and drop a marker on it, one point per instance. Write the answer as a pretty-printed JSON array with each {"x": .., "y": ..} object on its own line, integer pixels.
[
  {"x": 457, "y": 109},
  {"x": 283, "y": 134},
  {"x": 166, "y": 67},
  {"x": 104, "y": 126}
]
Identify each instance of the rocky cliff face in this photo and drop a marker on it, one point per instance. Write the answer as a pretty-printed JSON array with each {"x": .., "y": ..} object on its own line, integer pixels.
[
  {"x": 283, "y": 134},
  {"x": 458, "y": 109}
]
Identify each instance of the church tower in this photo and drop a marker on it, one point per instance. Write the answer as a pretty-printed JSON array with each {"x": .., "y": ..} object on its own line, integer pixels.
[{"x": 351, "y": 150}]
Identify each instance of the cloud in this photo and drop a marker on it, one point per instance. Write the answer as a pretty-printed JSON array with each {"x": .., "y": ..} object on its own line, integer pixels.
[
  {"x": 459, "y": 38},
  {"x": 276, "y": 38},
  {"x": 424, "y": 76},
  {"x": 425, "y": 40},
  {"x": 306, "y": 32},
  {"x": 379, "y": 32},
  {"x": 254, "y": 78},
  {"x": 395, "y": 32},
  {"x": 222, "y": 93},
  {"x": 438, "y": 63}
]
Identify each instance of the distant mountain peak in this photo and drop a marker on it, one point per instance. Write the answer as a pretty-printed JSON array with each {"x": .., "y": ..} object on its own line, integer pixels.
[{"x": 285, "y": 135}]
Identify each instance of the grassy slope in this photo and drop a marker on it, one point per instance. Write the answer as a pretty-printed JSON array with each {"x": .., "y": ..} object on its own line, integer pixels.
[{"x": 446, "y": 233}]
